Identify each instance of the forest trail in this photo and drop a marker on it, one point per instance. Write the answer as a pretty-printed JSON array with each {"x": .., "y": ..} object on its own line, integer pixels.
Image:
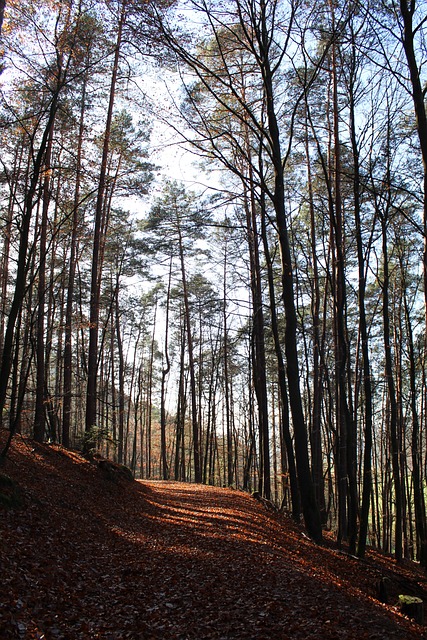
[{"x": 86, "y": 557}]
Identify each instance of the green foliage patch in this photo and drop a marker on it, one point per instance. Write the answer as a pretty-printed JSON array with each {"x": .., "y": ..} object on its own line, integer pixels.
[{"x": 94, "y": 438}]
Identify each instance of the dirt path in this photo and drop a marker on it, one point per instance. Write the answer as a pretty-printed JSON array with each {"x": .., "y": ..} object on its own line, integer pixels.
[
  {"x": 87, "y": 558},
  {"x": 226, "y": 569}
]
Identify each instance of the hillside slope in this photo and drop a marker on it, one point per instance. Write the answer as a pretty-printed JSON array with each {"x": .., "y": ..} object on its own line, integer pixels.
[{"x": 85, "y": 557}]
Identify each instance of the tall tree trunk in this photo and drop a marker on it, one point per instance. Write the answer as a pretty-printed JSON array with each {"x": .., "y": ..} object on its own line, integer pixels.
[
  {"x": 363, "y": 328},
  {"x": 394, "y": 439},
  {"x": 191, "y": 364},
  {"x": 179, "y": 471},
  {"x": 258, "y": 321},
  {"x": 40, "y": 410},
  {"x": 149, "y": 411},
  {"x": 258, "y": 344},
  {"x": 417, "y": 476},
  {"x": 316, "y": 420},
  {"x": 120, "y": 440},
  {"x": 68, "y": 352},
  {"x": 408, "y": 10},
  {"x": 347, "y": 464},
  {"x": 134, "y": 399},
  {"x": 7, "y": 233},
  {"x": 96, "y": 275},
  {"x": 165, "y": 372},
  {"x": 226, "y": 376},
  {"x": 281, "y": 374},
  {"x": 308, "y": 498}
]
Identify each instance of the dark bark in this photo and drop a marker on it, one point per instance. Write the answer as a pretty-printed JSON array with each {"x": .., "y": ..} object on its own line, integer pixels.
[
  {"x": 22, "y": 259},
  {"x": 165, "y": 372},
  {"x": 68, "y": 332},
  {"x": 96, "y": 275},
  {"x": 363, "y": 327},
  {"x": 418, "y": 484},
  {"x": 7, "y": 233},
  {"x": 346, "y": 450},
  {"x": 230, "y": 469},
  {"x": 191, "y": 363},
  {"x": 281, "y": 372},
  {"x": 316, "y": 433},
  {"x": 407, "y": 10},
  {"x": 418, "y": 96},
  {"x": 120, "y": 439},
  {"x": 180, "y": 463},
  {"x": 394, "y": 439},
  {"x": 308, "y": 498},
  {"x": 258, "y": 346},
  {"x": 40, "y": 410}
]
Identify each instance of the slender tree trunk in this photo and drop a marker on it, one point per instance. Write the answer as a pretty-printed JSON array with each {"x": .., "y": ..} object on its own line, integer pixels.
[
  {"x": 281, "y": 372},
  {"x": 250, "y": 443},
  {"x": 134, "y": 403},
  {"x": 7, "y": 234},
  {"x": 213, "y": 386},
  {"x": 165, "y": 372},
  {"x": 394, "y": 439},
  {"x": 22, "y": 259},
  {"x": 258, "y": 346},
  {"x": 40, "y": 411},
  {"x": 68, "y": 353},
  {"x": 347, "y": 465},
  {"x": 191, "y": 363},
  {"x": 308, "y": 498},
  {"x": 226, "y": 376},
  {"x": 96, "y": 276},
  {"x": 149, "y": 412},
  {"x": 316, "y": 422},
  {"x": 417, "y": 476},
  {"x": 258, "y": 321},
  {"x": 408, "y": 10},
  {"x": 179, "y": 472},
  {"x": 120, "y": 448},
  {"x": 363, "y": 328}
]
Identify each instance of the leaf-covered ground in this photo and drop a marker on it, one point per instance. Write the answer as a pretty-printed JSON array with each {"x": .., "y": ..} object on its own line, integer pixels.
[{"x": 87, "y": 557}]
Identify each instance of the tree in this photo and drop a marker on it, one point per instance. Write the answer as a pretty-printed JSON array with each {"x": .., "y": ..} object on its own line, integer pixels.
[
  {"x": 256, "y": 29},
  {"x": 98, "y": 233},
  {"x": 409, "y": 33},
  {"x": 175, "y": 224},
  {"x": 165, "y": 372},
  {"x": 90, "y": 33},
  {"x": 54, "y": 85},
  {"x": 409, "y": 11}
]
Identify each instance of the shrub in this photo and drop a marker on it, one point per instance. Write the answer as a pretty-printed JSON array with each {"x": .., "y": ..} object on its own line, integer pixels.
[{"x": 93, "y": 440}]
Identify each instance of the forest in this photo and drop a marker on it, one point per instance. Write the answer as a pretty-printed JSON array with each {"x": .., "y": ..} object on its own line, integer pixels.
[{"x": 262, "y": 325}]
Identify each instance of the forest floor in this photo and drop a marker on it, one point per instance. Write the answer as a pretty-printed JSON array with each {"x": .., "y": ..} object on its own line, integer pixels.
[{"x": 84, "y": 555}]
